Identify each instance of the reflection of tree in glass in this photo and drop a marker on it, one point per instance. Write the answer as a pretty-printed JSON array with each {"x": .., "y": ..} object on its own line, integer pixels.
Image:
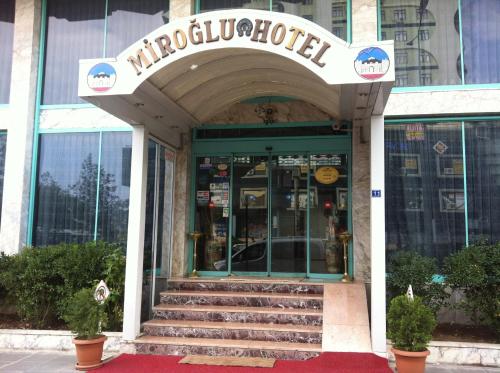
[{"x": 74, "y": 207}]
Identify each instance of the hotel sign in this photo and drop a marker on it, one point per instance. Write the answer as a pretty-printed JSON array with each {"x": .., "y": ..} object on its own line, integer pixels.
[{"x": 292, "y": 37}]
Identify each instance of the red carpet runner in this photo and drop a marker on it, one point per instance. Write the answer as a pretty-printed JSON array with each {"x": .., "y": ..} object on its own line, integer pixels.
[{"x": 342, "y": 362}]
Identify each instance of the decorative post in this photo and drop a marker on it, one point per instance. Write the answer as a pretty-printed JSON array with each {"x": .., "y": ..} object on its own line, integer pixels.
[
  {"x": 195, "y": 236},
  {"x": 345, "y": 237}
]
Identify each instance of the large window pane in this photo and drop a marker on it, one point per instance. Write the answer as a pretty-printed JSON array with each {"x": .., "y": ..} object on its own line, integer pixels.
[
  {"x": 209, "y": 5},
  {"x": 67, "y": 187},
  {"x": 3, "y": 144},
  {"x": 424, "y": 188},
  {"x": 129, "y": 20},
  {"x": 114, "y": 187},
  {"x": 481, "y": 40},
  {"x": 426, "y": 40},
  {"x": 6, "y": 39},
  {"x": 482, "y": 144},
  {"x": 331, "y": 14},
  {"x": 75, "y": 30}
]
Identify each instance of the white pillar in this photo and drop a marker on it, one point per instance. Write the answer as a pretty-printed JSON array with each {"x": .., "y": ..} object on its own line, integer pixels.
[
  {"x": 135, "y": 238},
  {"x": 16, "y": 188},
  {"x": 377, "y": 231}
]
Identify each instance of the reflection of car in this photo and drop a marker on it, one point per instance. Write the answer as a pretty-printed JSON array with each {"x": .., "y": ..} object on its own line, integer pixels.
[{"x": 288, "y": 255}]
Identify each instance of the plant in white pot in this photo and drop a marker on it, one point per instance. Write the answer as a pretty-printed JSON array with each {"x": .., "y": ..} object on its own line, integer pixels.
[
  {"x": 86, "y": 317},
  {"x": 410, "y": 324}
]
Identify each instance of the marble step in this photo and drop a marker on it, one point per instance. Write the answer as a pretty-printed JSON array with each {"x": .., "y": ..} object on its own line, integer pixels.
[
  {"x": 236, "y": 284},
  {"x": 225, "y": 347},
  {"x": 234, "y": 330},
  {"x": 243, "y": 298},
  {"x": 242, "y": 314}
]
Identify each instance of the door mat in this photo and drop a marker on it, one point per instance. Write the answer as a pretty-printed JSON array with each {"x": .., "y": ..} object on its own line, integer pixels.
[{"x": 230, "y": 361}]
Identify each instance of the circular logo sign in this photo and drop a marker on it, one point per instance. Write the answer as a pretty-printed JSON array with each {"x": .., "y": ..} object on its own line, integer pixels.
[
  {"x": 372, "y": 63},
  {"x": 101, "y": 77},
  {"x": 326, "y": 175}
]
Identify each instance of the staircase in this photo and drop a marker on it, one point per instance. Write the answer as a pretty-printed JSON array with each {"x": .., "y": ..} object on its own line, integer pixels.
[{"x": 236, "y": 317}]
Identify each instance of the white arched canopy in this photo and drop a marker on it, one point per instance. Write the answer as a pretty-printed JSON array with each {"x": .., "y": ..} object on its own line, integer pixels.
[{"x": 185, "y": 72}]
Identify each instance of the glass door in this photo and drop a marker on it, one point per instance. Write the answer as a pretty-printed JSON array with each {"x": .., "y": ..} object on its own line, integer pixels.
[
  {"x": 272, "y": 214},
  {"x": 250, "y": 218},
  {"x": 289, "y": 206}
]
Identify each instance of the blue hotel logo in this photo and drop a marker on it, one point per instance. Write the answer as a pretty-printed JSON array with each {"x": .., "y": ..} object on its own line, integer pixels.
[
  {"x": 372, "y": 63},
  {"x": 101, "y": 77}
]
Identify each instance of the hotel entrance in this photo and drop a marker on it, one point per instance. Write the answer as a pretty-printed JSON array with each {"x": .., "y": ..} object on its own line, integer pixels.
[{"x": 273, "y": 212}]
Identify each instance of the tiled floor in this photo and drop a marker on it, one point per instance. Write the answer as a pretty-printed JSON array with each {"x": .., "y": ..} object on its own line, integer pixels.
[{"x": 59, "y": 362}]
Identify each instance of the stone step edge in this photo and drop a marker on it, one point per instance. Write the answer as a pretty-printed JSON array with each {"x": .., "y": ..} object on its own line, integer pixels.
[
  {"x": 239, "y": 294},
  {"x": 271, "y": 281},
  {"x": 236, "y": 309},
  {"x": 234, "y": 326},
  {"x": 230, "y": 343}
]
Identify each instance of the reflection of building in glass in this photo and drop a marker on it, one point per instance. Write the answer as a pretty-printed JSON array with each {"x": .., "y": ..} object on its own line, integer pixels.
[{"x": 427, "y": 45}]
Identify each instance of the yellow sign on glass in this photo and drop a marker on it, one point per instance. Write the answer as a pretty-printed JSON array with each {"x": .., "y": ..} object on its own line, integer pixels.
[{"x": 326, "y": 175}]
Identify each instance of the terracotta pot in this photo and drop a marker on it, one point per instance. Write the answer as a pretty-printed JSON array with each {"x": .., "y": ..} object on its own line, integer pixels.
[
  {"x": 410, "y": 362},
  {"x": 89, "y": 352}
]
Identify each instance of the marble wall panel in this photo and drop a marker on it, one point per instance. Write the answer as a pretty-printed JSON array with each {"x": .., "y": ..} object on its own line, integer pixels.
[
  {"x": 87, "y": 118},
  {"x": 181, "y": 8}
]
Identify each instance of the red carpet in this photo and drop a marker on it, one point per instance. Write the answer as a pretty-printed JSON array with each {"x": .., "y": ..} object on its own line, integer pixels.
[{"x": 343, "y": 362}]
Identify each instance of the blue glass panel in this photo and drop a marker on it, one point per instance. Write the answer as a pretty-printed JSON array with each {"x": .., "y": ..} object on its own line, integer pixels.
[
  {"x": 6, "y": 39},
  {"x": 66, "y": 189},
  {"x": 481, "y": 40}
]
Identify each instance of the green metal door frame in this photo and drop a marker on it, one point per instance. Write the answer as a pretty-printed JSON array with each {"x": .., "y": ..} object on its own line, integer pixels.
[{"x": 268, "y": 146}]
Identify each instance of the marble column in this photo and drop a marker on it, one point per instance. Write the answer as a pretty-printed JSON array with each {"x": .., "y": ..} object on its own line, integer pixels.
[
  {"x": 377, "y": 234},
  {"x": 180, "y": 246},
  {"x": 16, "y": 192},
  {"x": 360, "y": 200},
  {"x": 135, "y": 236},
  {"x": 364, "y": 21},
  {"x": 181, "y": 8}
]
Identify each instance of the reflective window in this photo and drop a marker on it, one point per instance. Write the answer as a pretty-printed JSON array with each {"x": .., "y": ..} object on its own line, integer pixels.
[
  {"x": 114, "y": 187},
  {"x": 69, "y": 173},
  {"x": 67, "y": 187},
  {"x": 330, "y": 14},
  {"x": 425, "y": 209},
  {"x": 3, "y": 145},
  {"x": 7, "y": 8},
  {"x": 424, "y": 28},
  {"x": 481, "y": 40},
  {"x": 209, "y": 5},
  {"x": 433, "y": 29},
  {"x": 129, "y": 20},
  {"x": 82, "y": 23},
  {"x": 75, "y": 30}
]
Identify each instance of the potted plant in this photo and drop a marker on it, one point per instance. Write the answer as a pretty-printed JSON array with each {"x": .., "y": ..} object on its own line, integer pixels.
[
  {"x": 86, "y": 317},
  {"x": 410, "y": 325}
]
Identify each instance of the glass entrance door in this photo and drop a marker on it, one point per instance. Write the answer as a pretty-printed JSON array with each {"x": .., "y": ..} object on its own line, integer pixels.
[
  {"x": 289, "y": 214},
  {"x": 274, "y": 214},
  {"x": 250, "y": 214}
]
